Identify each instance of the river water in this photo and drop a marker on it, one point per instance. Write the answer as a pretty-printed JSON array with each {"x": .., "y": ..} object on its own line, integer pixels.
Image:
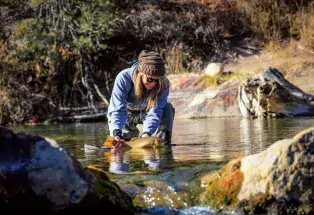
[{"x": 201, "y": 145}]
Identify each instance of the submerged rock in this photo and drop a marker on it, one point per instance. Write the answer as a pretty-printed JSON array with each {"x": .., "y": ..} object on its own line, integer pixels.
[
  {"x": 269, "y": 94},
  {"x": 279, "y": 179},
  {"x": 38, "y": 175}
]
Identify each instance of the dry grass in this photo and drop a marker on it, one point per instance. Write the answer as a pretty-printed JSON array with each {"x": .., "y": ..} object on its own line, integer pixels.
[
  {"x": 276, "y": 20},
  {"x": 176, "y": 59},
  {"x": 303, "y": 23}
]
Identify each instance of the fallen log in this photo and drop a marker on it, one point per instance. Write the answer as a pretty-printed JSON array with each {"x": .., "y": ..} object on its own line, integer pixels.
[
  {"x": 269, "y": 94},
  {"x": 80, "y": 118}
]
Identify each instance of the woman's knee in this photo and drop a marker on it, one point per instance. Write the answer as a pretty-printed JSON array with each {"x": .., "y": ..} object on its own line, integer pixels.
[
  {"x": 169, "y": 107},
  {"x": 168, "y": 111}
]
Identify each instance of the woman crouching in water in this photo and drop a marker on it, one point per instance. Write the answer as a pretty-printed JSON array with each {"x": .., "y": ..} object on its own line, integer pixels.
[{"x": 139, "y": 96}]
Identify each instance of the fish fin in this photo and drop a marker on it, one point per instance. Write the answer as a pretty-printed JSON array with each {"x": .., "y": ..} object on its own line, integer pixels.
[
  {"x": 110, "y": 141},
  {"x": 133, "y": 138},
  {"x": 158, "y": 142}
]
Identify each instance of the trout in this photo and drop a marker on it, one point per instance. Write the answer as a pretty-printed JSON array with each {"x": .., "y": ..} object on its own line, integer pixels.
[{"x": 135, "y": 142}]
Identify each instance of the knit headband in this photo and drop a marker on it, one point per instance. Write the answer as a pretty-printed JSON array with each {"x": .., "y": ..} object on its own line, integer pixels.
[{"x": 151, "y": 63}]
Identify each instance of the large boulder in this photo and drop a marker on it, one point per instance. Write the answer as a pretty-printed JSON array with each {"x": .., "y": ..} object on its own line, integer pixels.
[
  {"x": 192, "y": 99},
  {"x": 39, "y": 175},
  {"x": 279, "y": 179}
]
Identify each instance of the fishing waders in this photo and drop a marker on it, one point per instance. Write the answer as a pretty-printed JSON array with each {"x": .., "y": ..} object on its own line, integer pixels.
[{"x": 164, "y": 131}]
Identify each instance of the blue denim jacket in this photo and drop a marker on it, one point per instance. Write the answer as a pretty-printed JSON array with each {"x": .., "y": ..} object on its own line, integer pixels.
[{"x": 123, "y": 95}]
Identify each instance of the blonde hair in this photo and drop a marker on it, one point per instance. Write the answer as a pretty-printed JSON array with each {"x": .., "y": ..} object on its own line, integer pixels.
[{"x": 139, "y": 89}]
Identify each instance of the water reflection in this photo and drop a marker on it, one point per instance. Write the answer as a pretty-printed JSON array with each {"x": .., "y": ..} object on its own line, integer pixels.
[
  {"x": 223, "y": 139},
  {"x": 122, "y": 162},
  {"x": 228, "y": 138},
  {"x": 118, "y": 163},
  {"x": 252, "y": 130}
]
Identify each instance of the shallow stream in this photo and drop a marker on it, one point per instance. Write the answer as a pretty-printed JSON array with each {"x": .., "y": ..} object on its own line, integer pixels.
[{"x": 167, "y": 181}]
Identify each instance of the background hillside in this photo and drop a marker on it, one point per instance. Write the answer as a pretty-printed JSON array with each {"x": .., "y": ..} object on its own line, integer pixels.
[{"x": 56, "y": 55}]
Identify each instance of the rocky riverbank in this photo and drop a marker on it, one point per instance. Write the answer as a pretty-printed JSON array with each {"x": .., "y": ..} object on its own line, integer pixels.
[
  {"x": 200, "y": 95},
  {"x": 212, "y": 91}
]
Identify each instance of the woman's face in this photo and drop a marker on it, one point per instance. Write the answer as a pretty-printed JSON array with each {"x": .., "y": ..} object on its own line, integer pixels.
[{"x": 149, "y": 81}]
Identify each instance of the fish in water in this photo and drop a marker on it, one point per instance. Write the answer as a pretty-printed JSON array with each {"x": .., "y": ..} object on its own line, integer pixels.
[{"x": 144, "y": 142}]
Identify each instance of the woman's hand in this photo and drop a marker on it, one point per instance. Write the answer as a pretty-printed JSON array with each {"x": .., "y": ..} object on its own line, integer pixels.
[
  {"x": 119, "y": 142},
  {"x": 118, "y": 138}
]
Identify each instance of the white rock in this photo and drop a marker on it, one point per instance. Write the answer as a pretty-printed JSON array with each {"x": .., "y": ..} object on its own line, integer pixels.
[{"x": 213, "y": 69}]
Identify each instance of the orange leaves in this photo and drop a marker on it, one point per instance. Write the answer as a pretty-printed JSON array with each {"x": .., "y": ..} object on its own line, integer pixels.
[
  {"x": 3, "y": 95},
  {"x": 65, "y": 52}
]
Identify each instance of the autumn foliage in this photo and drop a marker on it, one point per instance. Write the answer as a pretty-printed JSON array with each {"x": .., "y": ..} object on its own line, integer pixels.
[{"x": 66, "y": 54}]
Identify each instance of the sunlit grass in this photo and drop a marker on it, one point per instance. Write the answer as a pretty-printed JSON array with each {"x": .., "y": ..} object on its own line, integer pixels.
[{"x": 215, "y": 81}]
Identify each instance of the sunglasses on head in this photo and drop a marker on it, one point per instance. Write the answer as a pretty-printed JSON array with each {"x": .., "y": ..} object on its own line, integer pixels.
[{"x": 150, "y": 80}]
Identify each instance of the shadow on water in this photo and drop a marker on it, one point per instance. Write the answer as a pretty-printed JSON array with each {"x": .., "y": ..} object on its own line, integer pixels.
[{"x": 167, "y": 181}]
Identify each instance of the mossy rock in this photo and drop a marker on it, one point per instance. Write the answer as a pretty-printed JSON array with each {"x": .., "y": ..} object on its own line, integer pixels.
[
  {"x": 110, "y": 192},
  {"x": 97, "y": 172},
  {"x": 267, "y": 204},
  {"x": 223, "y": 186}
]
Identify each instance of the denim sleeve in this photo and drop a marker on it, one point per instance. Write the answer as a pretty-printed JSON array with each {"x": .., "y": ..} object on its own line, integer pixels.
[{"x": 117, "y": 108}]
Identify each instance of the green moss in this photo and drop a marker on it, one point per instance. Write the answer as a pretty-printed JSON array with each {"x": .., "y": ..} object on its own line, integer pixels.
[
  {"x": 106, "y": 186},
  {"x": 98, "y": 173},
  {"x": 111, "y": 192}
]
